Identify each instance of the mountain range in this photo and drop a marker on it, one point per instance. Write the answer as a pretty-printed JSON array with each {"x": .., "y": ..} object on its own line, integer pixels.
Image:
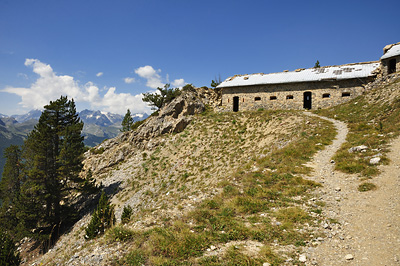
[{"x": 98, "y": 126}]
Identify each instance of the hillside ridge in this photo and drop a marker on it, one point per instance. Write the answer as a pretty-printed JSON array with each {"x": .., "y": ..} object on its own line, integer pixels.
[{"x": 170, "y": 179}]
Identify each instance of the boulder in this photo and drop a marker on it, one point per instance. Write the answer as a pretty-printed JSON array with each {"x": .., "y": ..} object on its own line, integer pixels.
[
  {"x": 172, "y": 118},
  {"x": 375, "y": 160},
  {"x": 361, "y": 148}
]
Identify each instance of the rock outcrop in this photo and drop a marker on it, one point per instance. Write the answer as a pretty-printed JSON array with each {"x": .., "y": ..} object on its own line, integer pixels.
[{"x": 172, "y": 118}]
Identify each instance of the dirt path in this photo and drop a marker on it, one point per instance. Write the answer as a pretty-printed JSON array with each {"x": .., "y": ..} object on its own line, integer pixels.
[{"x": 368, "y": 228}]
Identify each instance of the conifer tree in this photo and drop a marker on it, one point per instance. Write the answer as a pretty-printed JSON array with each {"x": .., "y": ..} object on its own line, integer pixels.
[
  {"x": 9, "y": 256},
  {"x": 126, "y": 214},
  {"x": 163, "y": 96},
  {"x": 10, "y": 188},
  {"x": 53, "y": 160},
  {"x": 127, "y": 122},
  {"x": 102, "y": 219}
]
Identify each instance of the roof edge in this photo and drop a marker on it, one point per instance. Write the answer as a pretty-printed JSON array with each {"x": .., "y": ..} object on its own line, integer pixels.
[{"x": 297, "y": 70}]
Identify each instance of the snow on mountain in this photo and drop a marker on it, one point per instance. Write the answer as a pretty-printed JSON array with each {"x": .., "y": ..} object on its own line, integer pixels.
[
  {"x": 100, "y": 118},
  {"x": 33, "y": 114}
]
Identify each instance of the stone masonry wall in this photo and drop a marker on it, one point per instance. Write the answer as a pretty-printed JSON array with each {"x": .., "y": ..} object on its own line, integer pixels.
[
  {"x": 291, "y": 95},
  {"x": 385, "y": 66}
]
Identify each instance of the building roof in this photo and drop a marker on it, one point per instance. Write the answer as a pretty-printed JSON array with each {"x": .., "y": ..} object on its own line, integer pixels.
[
  {"x": 393, "y": 51},
  {"x": 349, "y": 71}
]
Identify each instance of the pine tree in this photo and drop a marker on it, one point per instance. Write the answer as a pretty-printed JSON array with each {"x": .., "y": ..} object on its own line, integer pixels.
[
  {"x": 126, "y": 214},
  {"x": 317, "y": 65},
  {"x": 216, "y": 82},
  {"x": 127, "y": 122},
  {"x": 53, "y": 160},
  {"x": 10, "y": 188},
  {"x": 9, "y": 256},
  {"x": 102, "y": 219},
  {"x": 164, "y": 96}
]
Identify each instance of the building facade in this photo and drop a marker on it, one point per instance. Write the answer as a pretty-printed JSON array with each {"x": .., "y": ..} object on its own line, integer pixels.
[
  {"x": 300, "y": 89},
  {"x": 391, "y": 59}
]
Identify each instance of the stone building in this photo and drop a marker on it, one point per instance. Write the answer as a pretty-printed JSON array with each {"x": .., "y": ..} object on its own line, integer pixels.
[
  {"x": 303, "y": 88},
  {"x": 391, "y": 59}
]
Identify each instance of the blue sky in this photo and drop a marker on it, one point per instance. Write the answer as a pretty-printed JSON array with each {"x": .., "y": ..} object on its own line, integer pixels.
[{"x": 104, "y": 54}]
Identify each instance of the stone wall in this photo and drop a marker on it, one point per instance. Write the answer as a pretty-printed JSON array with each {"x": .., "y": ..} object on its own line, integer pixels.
[
  {"x": 291, "y": 95},
  {"x": 385, "y": 64}
]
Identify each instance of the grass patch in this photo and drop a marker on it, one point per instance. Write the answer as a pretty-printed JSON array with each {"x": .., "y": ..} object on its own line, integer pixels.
[
  {"x": 134, "y": 258},
  {"x": 120, "y": 233},
  {"x": 293, "y": 215},
  {"x": 372, "y": 121},
  {"x": 366, "y": 186}
]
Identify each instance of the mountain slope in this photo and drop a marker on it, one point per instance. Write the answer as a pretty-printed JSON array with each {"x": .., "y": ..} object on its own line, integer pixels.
[
  {"x": 222, "y": 180},
  {"x": 99, "y": 126},
  {"x": 7, "y": 138},
  {"x": 229, "y": 189}
]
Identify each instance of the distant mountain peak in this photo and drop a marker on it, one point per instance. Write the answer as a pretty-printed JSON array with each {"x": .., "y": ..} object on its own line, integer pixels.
[{"x": 33, "y": 114}]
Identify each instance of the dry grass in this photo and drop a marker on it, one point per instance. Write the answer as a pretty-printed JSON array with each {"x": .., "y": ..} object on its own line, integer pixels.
[{"x": 254, "y": 191}]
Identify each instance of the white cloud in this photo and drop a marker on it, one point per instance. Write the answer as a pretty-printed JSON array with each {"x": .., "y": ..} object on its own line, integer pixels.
[
  {"x": 50, "y": 86},
  {"x": 178, "y": 83},
  {"x": 152, "y": 76},
  {"x": 129, "y": 80},
  {"x": 120, "y": 102},
  {"x": 47, "y": 87},
  {"x": 99, "y": 74}
]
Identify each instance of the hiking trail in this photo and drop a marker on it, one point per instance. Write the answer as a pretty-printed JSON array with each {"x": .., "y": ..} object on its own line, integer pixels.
[{"x": 367, "y": 231}]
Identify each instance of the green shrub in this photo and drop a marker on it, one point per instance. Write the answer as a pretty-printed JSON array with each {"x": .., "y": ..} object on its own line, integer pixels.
[
  {"x": 366, "y": 186},
  {"x": 126, "y": 214},
  {"x": 97, "y": 151},
  {"x": 102, "y": 219}
]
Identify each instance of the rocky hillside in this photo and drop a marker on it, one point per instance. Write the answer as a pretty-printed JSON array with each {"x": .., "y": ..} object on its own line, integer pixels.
[
  {"x": 189, "y": 163},
  {"x": 220, "y": 188}
]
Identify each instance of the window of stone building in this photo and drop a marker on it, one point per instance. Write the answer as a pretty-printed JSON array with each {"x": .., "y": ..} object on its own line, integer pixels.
[
  {"x": 326, "y": 95},
  {"x": 272, "y": 98},
  {"x": 289, "y": 97},
  {"x": 346, "y": 94},
  {"x": 257, "y": 99}
]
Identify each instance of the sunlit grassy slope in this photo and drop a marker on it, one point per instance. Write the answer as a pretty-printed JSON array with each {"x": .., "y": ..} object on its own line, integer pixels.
[{"x": 252, "y": 162}]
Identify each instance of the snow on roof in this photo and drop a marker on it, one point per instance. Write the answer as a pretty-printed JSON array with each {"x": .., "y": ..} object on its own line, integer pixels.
[
  {"x": 349, "y": 71},
  {"x": 393, "y": 51}
]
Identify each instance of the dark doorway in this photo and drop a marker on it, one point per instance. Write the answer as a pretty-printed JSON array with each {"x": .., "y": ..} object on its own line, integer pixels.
[
  {"x": 392, "y": 66},
  {"x": 307, "y": 100},
  {"x": 235, "y": 103}
]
